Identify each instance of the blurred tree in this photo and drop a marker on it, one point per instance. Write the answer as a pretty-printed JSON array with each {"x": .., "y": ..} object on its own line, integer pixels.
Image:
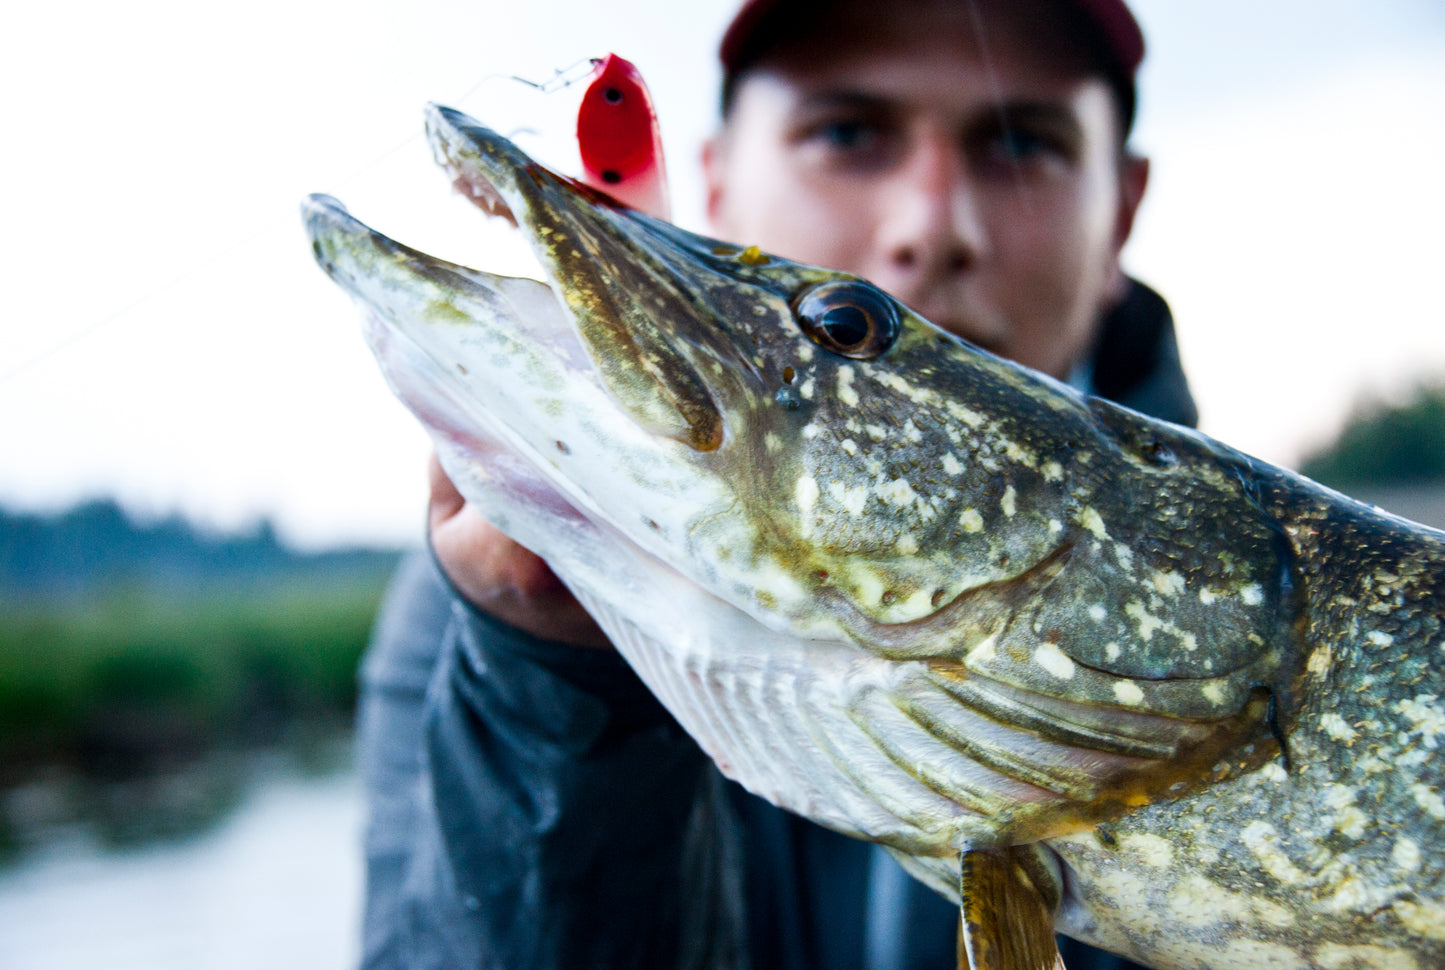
[
  {"x": 98, "y": 544},
  {"x": 1387, "y": 444}
]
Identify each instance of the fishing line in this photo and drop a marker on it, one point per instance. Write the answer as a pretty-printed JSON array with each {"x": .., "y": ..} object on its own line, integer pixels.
[
  {"x": 86, "y": 332},
  {"x": 975, "y": 14},
  {"x": 561, "y": 78}
]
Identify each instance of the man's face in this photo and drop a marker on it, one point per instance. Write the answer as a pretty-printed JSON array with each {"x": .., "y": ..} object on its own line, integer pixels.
[{"x": 978, "y": 182}]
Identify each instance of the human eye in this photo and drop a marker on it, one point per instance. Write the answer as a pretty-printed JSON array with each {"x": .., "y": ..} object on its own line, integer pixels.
[
  {"x": 846, "y": 139},
  {"x": 1017, "y": 145},
  {"x": 844, "y": 134},
  {"x": 1029, "y": 146},
  {"x": 1008, "y": 150}
]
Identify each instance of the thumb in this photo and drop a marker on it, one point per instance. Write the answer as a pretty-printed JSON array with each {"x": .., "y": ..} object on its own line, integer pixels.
[{"x": 444, "y": 501}]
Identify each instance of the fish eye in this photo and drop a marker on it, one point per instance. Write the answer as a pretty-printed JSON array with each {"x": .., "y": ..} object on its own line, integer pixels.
[{"x": 848, "y": 317}]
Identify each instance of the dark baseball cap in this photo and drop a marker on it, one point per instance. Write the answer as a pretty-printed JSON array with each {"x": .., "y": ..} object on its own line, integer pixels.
[{"x": 1115, "y": 35}]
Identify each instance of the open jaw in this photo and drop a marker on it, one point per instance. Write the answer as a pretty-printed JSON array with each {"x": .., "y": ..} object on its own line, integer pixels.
[
  {"x": 573, "y": 383},
  {"x": 433, "y": 323}
]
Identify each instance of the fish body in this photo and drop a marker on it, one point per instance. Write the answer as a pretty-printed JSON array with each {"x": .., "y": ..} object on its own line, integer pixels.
[{"x": 1076, "y": 668}]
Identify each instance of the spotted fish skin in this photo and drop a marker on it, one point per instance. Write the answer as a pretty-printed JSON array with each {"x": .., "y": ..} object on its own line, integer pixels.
[
  {"x": 1330, "y": 859},
  {"x": 927, "y": 597}
]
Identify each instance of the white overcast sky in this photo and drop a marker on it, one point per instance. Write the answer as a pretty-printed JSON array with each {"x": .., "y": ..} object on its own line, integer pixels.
[{"x": 166, "y": 338}]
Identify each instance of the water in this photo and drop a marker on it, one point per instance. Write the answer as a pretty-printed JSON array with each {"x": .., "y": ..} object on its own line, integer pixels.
[{"x": 276, "y": 885}]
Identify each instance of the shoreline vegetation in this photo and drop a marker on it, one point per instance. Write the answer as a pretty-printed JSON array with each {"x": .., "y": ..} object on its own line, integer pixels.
[{"x": 143, "y": 666}]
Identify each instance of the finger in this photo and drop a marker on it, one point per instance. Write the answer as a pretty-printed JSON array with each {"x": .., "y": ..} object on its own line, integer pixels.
[
  {"x": 477, "y": 553},
  {"x": 444, "y": 501}
]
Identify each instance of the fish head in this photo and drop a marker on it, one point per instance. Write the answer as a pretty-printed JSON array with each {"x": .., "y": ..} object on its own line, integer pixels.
[{"x": 787, "y": 435}]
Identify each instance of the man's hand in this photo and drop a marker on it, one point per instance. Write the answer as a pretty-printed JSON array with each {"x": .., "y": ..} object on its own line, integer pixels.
[{"x": 499, "y": 576}]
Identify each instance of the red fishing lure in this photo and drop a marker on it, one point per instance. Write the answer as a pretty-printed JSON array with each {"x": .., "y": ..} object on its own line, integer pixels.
[{"x": 619, "y": 140}]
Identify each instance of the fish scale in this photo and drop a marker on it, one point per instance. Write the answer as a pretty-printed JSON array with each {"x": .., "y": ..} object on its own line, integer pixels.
[{"x": 1077, "y": 669}]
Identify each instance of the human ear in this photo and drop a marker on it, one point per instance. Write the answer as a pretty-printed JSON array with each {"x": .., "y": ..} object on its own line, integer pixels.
[
  {"x": 714, "y": 176},
  {"x": 1133, "y": 181}
]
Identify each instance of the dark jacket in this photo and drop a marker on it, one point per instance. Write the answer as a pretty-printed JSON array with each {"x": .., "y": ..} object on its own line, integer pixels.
[{"x": 533, "y": 806}]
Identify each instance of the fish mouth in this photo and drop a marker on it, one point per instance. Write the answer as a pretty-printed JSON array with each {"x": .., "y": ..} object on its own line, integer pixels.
[
  {"x": 618, "y": 278},
  {"x": 610, "y": 363},
  {"x": 599, "y": 257}
]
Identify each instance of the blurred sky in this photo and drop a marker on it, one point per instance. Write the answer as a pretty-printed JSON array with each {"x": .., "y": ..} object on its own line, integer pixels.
[{"x": 166, "y": 338}]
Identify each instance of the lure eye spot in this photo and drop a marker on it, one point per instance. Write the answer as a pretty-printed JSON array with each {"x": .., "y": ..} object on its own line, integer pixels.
[
  {"x": 611, "y": 176},
  {"x": 849, "y": 318},
  {"x": 612, "y": 96}
]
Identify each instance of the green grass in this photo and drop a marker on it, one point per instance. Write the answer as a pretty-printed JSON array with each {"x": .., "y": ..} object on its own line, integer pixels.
[{"x": 136, "y": 675}]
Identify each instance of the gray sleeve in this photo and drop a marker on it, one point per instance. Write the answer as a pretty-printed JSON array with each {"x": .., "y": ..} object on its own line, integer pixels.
[
  {"x": 406, "y": 642},
  {"x": 560, "y": 818}
]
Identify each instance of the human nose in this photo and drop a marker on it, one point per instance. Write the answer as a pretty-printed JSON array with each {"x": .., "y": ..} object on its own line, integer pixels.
[{"x": 932, "y": 228}]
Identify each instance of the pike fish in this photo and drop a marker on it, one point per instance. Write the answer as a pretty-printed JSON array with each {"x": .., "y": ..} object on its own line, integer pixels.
[{"x": 1078, "y": 669}]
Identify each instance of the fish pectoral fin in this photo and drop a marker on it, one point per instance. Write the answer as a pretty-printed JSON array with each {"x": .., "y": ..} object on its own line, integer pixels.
[{"x": 1004, "y": 921}]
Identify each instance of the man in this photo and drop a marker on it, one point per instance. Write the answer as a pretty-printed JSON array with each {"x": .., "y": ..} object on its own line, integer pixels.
[{"x": 533, "y": 806}]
